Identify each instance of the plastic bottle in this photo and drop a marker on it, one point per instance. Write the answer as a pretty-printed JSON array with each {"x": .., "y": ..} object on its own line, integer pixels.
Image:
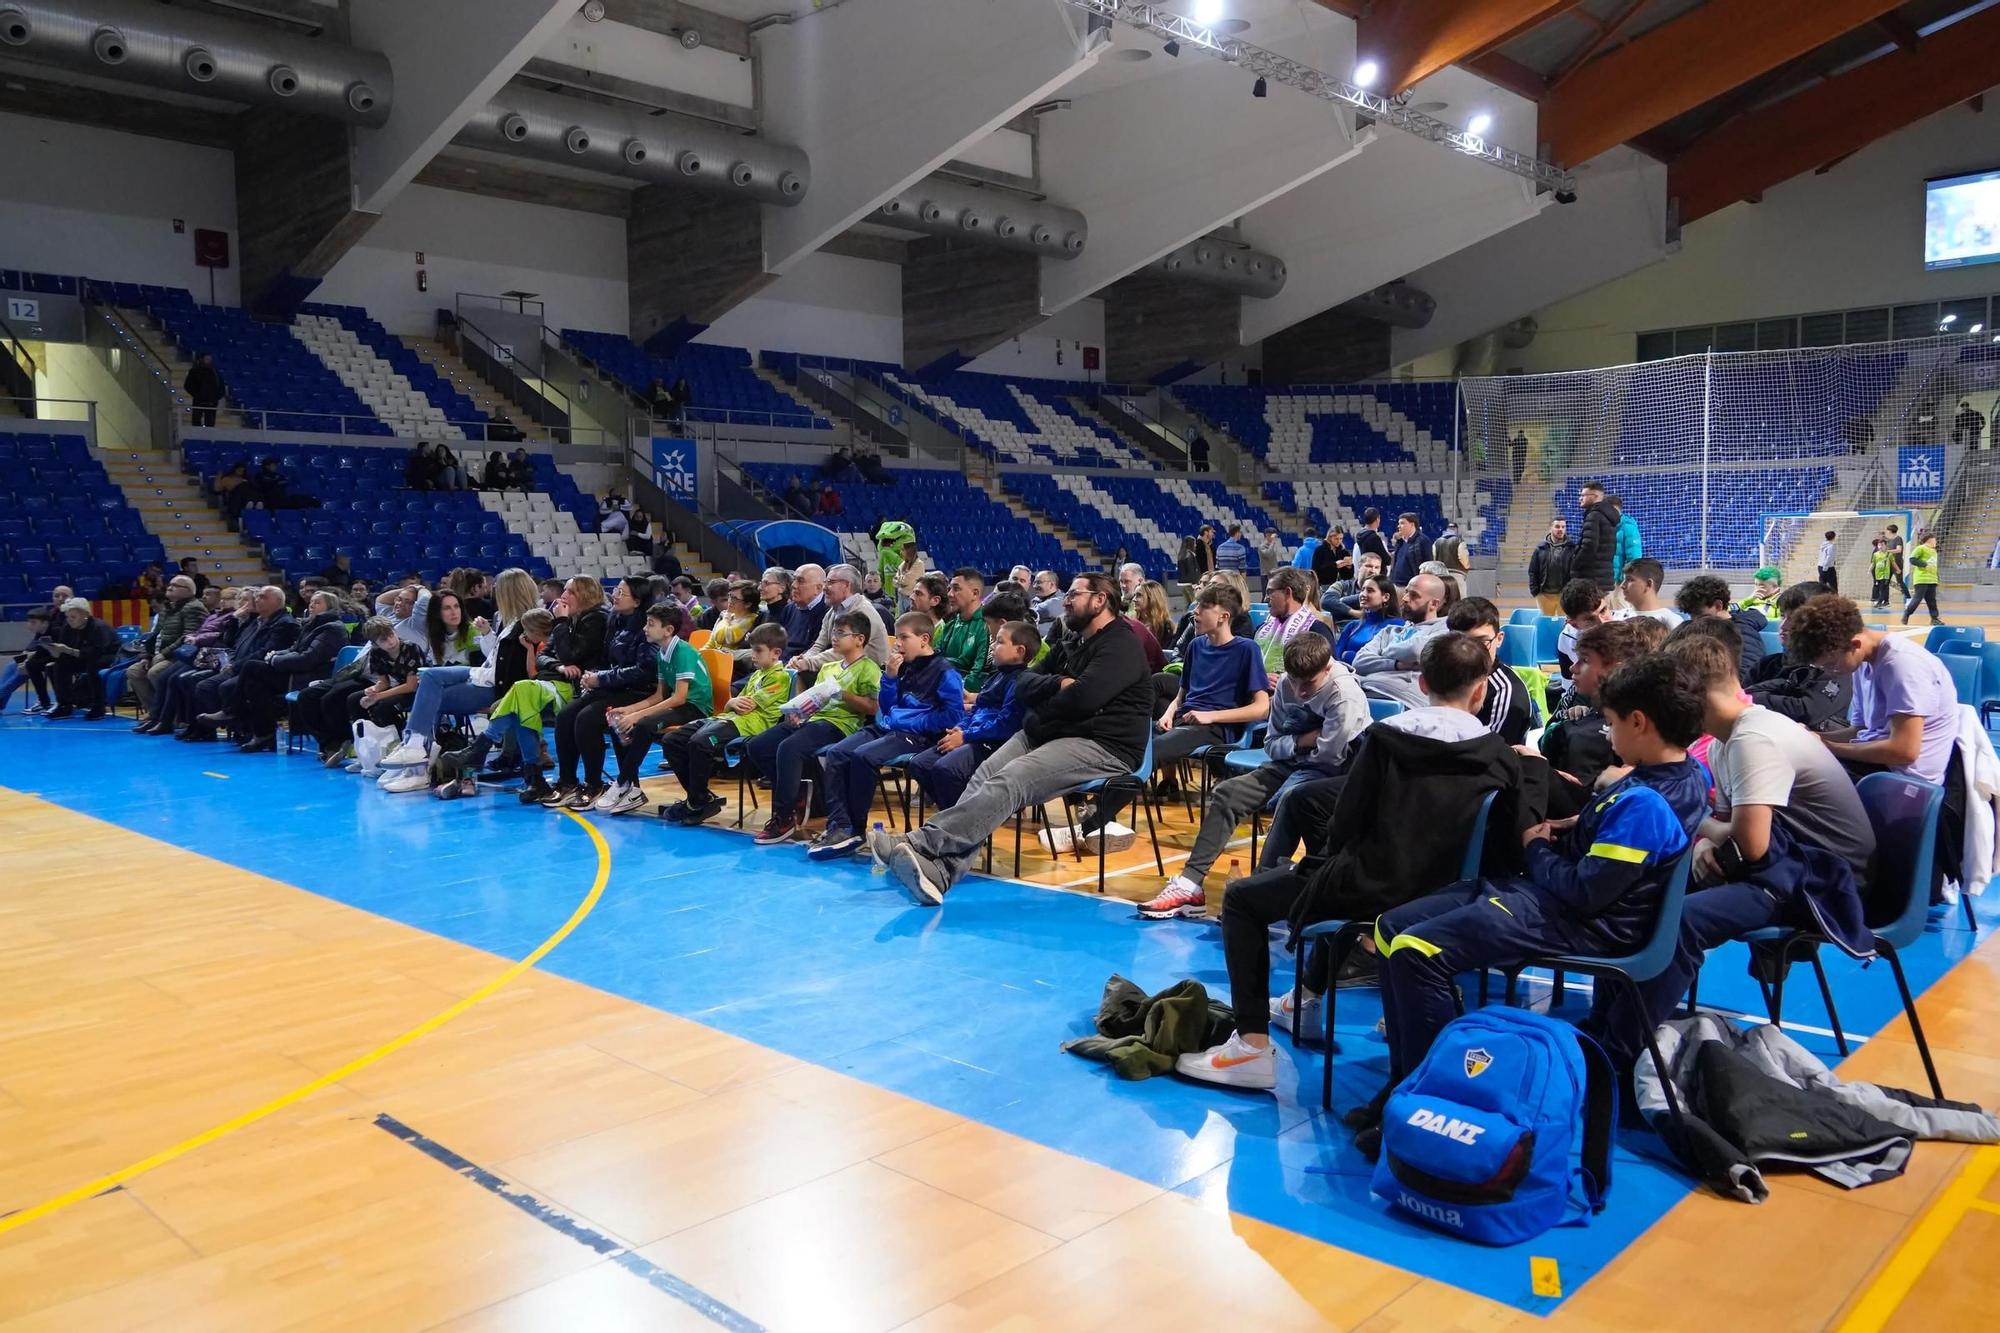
[{"x": 875, "y": 866}]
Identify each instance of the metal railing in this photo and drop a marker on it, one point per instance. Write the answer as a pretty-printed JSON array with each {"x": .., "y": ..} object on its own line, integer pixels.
[
  {"x": 370, "y": 427},
  {"x": 495, "y": 362},
  {"x": 37, "y": 408},
  {"x": 141, "y": 369}
]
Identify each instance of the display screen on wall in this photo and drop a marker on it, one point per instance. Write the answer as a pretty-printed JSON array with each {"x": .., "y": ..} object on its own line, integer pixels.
[{"x": 1962, "y": 220}]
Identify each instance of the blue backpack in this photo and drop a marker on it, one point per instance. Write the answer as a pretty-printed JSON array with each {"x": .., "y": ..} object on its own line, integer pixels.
[{"x": 1479, "y": 1139}]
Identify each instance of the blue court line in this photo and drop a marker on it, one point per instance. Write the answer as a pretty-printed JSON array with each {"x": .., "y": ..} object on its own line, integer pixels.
[
  {"x": 963, "y": 1008},
  {"x": 555, "y": 1219}
]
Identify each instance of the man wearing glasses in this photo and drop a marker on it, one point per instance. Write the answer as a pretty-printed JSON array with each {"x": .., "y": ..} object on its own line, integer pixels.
[{"x": 1089, "y": 707}]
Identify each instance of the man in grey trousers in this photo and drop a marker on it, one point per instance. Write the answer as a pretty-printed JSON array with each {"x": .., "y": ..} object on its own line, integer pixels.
[{"x": 1089, "y": 708}]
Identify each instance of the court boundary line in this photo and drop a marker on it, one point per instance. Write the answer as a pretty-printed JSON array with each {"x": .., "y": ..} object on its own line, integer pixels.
[
  {"x": 113, "y": 1180},
  {"x": 1890, "y": 1287},
  {"x": 713, "y": 1309}
]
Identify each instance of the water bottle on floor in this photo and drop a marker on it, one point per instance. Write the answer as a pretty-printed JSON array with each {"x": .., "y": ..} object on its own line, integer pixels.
[{"x": 875, "y": 866}]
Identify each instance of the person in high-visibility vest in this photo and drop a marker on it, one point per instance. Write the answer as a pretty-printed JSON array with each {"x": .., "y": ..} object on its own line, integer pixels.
[{"x": 1923, "y": 576}]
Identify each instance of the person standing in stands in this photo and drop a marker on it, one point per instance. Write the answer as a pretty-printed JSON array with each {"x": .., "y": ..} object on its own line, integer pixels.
[
  {"x": 1089, "y": 708},
  {"x": 1597, "y": 544},
  {"x": 1233, "y": 554},
  {"x": 204, "y": 388},
  {"x": 1967, "y": 426},
  {"x": 1549, "y": 567},
  {"x": 1198, "y": 452},
  {"x": 1368, "y": 540},
  {"x": 1923, "y": 576},
  {"x": 1409, "y": 550},
  {"x": 1270, "y": 552}
]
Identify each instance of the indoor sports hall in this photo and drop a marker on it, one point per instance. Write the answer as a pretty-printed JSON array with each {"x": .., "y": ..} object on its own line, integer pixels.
[{"x": 999, "y": 664}]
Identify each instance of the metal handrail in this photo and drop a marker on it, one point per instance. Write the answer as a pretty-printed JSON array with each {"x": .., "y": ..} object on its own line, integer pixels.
[
  {"x": 31, "y": 410},
  {"x": 541, "y": 385},
  {"x": 266, "y": 419}
]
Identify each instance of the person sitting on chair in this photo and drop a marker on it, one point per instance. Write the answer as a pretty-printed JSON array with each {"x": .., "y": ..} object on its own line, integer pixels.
[
  {"x": 265, "y": 682},
  {"x": 833, "y": 708},
  {"x": 693, "y": 751},
  {"x": 1575, "y": 747},
  {"x": 1223, "y": 688},
  {"x": 1089, "y": 706},
  {"x": 993, "y": 717},
  {"x": 1316, "y": 716},
  {"x": 80, "y": 647},
  {"x": 1439, "y": 760},
  {"x": 922, "y": 697},
  {"x": 1388, "y": 665},
  {"x": 1593, "y": 887}
]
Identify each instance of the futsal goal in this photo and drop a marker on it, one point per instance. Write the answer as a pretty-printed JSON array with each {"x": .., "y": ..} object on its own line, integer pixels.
[{"x": 1791, "y": 542}]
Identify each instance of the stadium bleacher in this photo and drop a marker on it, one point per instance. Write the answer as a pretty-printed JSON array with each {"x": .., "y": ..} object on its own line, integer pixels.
[
  {"x": 720, "y": 379},
  {"x": 65, "y": 521},
  {"x": 273, "y": 377},
  {"x": 956, "y": 523},
  {"x": 1669, "y": 515},
  {"x": 1407, "y": 425},
  {"x": 398, "y": 385}
]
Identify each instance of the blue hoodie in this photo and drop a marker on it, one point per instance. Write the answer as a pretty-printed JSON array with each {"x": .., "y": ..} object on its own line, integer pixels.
[
  {"x": 1627, "y": 547},
  {"x": 997, "y": 712},
  {"x": 925, "y": 698}
]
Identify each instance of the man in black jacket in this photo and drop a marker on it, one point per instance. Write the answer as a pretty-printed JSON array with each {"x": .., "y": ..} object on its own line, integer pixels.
[
  {"x": 1597, "y": 544},
  {"x": 204, "y": 389},
  {"x": 219, "y": 698},
  {"x": 1089, "y": 711},
  {"x": 79, "y": 648},
  {"x": 265, "y": 680},
  {"x": 1810, "y": 696},
  {"x": 1433, "y": 765},
  {"x": 1368, "y": 539},
  {"x": 1549, "y": 568}
]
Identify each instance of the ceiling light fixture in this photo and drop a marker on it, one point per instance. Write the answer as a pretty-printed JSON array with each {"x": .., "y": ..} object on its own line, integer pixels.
[
  {"x": 1206, "y": 12},
  {"x": 1479, "y": 124},
  {"x": 1366, "y": 73}
]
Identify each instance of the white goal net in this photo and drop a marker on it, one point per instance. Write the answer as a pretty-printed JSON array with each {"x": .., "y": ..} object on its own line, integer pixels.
[{"x": 1793, "y": 544}]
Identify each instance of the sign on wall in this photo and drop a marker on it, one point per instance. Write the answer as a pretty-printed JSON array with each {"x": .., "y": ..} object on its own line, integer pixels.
[
  {"x": 678, "y": 468},
  {"x": 1920, "y": 473}
]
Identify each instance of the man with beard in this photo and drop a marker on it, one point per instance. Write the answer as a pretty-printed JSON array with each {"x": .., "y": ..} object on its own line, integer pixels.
[{"x": 1089, "y": 707}]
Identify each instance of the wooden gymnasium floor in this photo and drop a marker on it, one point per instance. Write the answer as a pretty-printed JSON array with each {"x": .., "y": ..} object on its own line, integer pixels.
[{"x": 270, "y": 1057}]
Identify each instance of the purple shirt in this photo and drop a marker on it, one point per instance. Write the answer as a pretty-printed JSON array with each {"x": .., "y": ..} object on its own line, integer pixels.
[{"x": 1902, "y": 678}]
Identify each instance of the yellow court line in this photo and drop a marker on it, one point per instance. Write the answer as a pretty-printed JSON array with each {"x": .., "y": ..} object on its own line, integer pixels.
[
  {"x": 1892, "y": 1285},
  {"x": 298, "y": 1094}
]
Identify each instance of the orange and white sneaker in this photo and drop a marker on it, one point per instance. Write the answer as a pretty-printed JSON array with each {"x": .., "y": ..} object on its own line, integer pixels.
[
  {"x": 1181, "y": 897},
  {"x": 1234, "y": 1064}
]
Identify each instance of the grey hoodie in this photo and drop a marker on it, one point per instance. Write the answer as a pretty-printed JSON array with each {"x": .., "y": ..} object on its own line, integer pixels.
[{"x": 1337, "y": 710}]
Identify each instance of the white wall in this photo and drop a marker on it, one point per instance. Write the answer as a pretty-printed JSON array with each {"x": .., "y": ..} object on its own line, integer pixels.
[
  {"x": 477, "y": 245},
  {"x": 1852, "y": 237},
  {"x": 1064, "y": 334},
  {"x": 100, "y": 203},
  {"x": 832, "y": 305}
]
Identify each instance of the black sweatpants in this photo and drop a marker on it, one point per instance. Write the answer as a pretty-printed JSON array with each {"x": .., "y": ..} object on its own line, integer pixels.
[
  {"x": 1250, "y": 906},
  {"x": 580, "y": 731},
  {"x": 694, "y": 752},
  {"x": 632, "y": 750}
]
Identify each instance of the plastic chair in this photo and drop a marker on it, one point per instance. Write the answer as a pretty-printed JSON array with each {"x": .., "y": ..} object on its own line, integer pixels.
[
  {"x": 1342, "y": 936},
  {"x": 1524, "y": 615},
  {"x": 1942, "y": 633},
  {"x": 699, "y": 639},
  {"x": 1517, "y": 646},
  {"x": 1964, "y": 668},
  {"x": 346, "y": 657},
  {"x": 721, "y": 666},
  {"x": 1548, "y": 633},
  {"x": 1140, "y": 780},
  {"x": 1643, "y": 964},
  {"x": 1381, "y": 708},
  {"x": 1772, "y": 645},
  {"x": 1895, "y": 902},
  {"x": 1989, "y": 679}
]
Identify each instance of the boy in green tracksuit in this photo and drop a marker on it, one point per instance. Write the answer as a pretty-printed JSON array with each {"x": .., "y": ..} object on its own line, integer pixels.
[
  {"x": 693, "y": 751},
  {"x": 1881, "y": 566}
]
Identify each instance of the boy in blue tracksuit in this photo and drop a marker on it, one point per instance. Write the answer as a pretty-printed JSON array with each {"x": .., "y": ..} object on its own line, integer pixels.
[
  {"x": 922, "y": 697},
  {"x": 1594, "y": 888},
  {"x": 943, "y": 771}
]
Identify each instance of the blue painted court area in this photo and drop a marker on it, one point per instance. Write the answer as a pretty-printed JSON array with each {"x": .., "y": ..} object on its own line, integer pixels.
[{"x": 963, "y": 1008}]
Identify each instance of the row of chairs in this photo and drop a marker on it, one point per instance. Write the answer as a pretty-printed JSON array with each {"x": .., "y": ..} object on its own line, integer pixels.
[{"x": 1905, "y": 815}]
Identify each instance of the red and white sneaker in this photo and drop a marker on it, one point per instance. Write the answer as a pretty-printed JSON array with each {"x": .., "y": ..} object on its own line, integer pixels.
[
  {"x": 1235, "y": 1064},
  {"x": 1181, "y": 897}
]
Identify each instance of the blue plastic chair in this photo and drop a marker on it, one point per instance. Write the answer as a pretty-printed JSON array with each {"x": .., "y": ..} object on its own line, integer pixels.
[
  {"x": 1772, "y": 644},
  {"x": 1548, "y": 633},
  {"x": 1941, "y": 633},
  {"x": 1973, "y": 647},
  {"x": 1964, "y": 668},
  {"x": 1524, "y": 615},
  {"x": 1645, "y": 963},
  {"x": 1517, "y": 648},
  {"x": 1342, "y": 936},
  {"x": 1989, "y": 679},
  {"x": 346, "y": 657},
  {"x": 1895, "y": 901},
  {"x": 1140, "y": 780},
  {"x": 1381, "y": 708}
]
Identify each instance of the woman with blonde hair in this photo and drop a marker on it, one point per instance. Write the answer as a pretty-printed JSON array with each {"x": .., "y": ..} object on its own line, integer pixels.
[
  {"x": 459, "y": 689},
  {"x": 1151, "y": 609}
]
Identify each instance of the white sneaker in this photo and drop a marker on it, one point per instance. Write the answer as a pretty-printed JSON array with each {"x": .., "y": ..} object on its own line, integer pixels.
[
  {"x": 1062, "y": 839},
  {"x": 617, "y": 798},
  {"x": 406, "y": 780},
  {"x": 1311, "y": 1017},
  {"x": 1181, "y": 897},
  {"x": 412, "y": 753},
  {"x": 621, "y": 799},
  {"x": 1234, "y": 1064}
]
